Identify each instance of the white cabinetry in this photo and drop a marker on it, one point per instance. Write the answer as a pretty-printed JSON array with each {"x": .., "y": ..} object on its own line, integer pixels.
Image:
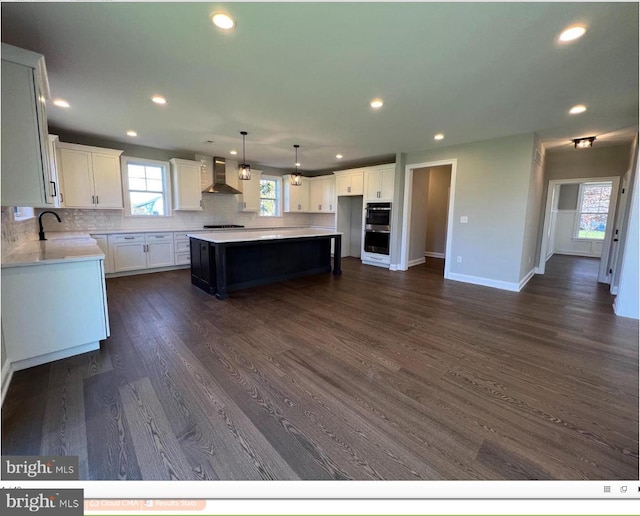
[
  {"x": 103, "y": 244},
  {"x": 26, "y": 171},
  {"x": 46, "y": 316},
  {"x": 250, "y": 200},
  {"x": 296, "y": 198},
  {"x": 90, "y": 177},
  {"x": 187, "y": 193},
  {"x": 322, "y": 194},
  {"x": 137, "y": 251},
  {"x": 349, "y": 182},
  {"x": 379, "y": 182}
]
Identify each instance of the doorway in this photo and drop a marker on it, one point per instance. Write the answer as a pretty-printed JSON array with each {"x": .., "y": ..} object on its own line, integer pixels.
[
  {"x": 578, "y": 221},
  {"x": 428, "y": 213},
  {"x": 349, "y": 222}
]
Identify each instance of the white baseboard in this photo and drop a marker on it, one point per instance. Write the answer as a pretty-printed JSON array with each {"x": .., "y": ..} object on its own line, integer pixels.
[
  {"x": 434, "y": 255},
  {"x": 146, "y": 271},
  {"x": 614, "y": 291},
  {"x": 394, "y": 267},
  {"x": 569, "y": 252},
  {"x": 417, "y": 261},
  {"x": 538, "y": 270},
  {"x": 485, "y": 282},
  {"x": 526, "y": 279},
  {"x": 7, "y": 374}
]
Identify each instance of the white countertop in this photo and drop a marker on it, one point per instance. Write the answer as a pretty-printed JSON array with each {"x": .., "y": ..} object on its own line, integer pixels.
[
  {"x": 60, "y": 247},
  {"x": 262, "y": 234}
]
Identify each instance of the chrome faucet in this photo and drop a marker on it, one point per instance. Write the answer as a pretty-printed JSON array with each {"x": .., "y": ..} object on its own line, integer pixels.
[{"x": 40, "y": 222}]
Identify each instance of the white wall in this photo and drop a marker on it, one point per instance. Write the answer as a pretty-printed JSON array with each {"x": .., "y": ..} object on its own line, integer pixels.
[
  {"x": 491, "y": 189},
  {"x": 626, "y": 302},
  {"x": 564, "y": 242}
]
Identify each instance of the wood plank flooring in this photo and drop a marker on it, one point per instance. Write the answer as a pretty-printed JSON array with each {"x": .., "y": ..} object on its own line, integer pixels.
[{"x": 369, "y": 375}]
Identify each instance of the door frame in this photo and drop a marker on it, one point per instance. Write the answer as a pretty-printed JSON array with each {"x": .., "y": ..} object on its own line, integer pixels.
[
  {"x": 406, "y": 211},
  {"x": 603, "y": 274}
]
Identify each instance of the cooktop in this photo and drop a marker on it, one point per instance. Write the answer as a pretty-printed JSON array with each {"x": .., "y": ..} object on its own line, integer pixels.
[{"x": 222, "y": 226}]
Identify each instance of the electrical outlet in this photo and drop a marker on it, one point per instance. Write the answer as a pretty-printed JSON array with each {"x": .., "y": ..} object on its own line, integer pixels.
[
  {"x": 459, "y": 259},
  {"x": 464, "y": 219}
]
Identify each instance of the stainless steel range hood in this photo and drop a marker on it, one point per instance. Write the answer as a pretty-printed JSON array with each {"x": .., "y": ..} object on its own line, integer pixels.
[{"x": 220, "y": 185}]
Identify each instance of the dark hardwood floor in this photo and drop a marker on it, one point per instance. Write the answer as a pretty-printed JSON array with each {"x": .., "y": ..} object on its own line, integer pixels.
[{"x": 369, "y": 375}]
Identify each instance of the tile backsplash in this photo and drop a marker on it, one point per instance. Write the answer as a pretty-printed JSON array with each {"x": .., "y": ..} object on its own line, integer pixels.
[
  {"x": 15, "y": 232},
  {"x": 217, "y": 209}
]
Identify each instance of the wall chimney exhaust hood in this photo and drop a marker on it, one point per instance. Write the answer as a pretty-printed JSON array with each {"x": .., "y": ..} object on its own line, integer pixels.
[{"x": 220, "y": 185}]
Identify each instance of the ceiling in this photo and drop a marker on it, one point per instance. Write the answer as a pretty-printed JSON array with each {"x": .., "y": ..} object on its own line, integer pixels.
[{"x": 304, "y": 73}]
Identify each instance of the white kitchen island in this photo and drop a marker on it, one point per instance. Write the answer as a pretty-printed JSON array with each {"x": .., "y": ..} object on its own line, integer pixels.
[
  {"x": 231, "y": 260},
  {"x": 54, "y": 301}
]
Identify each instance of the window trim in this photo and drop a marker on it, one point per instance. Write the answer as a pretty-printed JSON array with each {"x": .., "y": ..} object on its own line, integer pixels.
[
  {"x": 166, "y": 184},
  {"x": 576, "y": 222},
  {"x": 279, "y": 196}
]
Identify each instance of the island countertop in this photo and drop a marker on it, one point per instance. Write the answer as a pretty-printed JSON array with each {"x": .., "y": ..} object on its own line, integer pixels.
[{"x": 224, "y": 237}]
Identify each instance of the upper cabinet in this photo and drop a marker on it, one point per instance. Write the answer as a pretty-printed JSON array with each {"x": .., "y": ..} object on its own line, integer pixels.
[
  {"x": 90, "y": 177},
  {"x": 379, "y": 182},
  {"x": 296, "y": 198},
  {"x": 349, "y": 182},
  {"x": 321, "y": 194},
  {"x": 187, "y": 192},
  {"x": 26, "y": 167},
  {"x": 250, "y": 188}
]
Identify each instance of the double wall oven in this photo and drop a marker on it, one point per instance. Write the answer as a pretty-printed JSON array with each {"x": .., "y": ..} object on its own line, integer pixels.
[{"x": 377, "y": 227}]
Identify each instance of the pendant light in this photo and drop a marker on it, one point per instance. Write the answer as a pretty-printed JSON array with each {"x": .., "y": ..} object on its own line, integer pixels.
[
  {"x": 296, "y": 176},
  {"x": 244, "y": 169}
]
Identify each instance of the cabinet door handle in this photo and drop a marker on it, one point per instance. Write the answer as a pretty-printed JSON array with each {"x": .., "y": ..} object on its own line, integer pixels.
[
  {"x": 348, "y": 189},
  {"x": 55, "y": 189},
  {"x": 330, "y": 207},
  {"x": 129, "y": 238},
  {"x": 93, "y": 199},
  {"x": 61, "y": 197},
  {"x": 97, "y": 200},
  {"x": 244, "y": 204}
]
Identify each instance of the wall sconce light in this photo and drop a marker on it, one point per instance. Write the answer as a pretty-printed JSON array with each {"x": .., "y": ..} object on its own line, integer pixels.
[
  {"x": 584, "y": 143},
  {"x": 296, "y": 176}
]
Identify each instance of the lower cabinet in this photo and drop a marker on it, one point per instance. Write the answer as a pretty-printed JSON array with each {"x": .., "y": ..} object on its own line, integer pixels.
[
  {"x": 201, "y": 258},
  {"x": 137, "y": 251},
  {"x": 46, "y": 316}
]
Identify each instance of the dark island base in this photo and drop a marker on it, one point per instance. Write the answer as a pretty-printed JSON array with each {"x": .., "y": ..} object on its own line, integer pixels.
[{"x": 220, "y": 268}]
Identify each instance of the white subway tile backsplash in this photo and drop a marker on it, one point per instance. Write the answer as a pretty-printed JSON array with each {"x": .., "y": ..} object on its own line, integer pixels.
[
  {"x": 217, "y": 209},
  {"x": 14, "y": 233}
]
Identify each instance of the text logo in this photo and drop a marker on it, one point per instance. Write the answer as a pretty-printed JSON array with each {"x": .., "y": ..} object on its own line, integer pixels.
[
  {"x": 21, "y": 467},
  {"x": 49, "y": 502}
]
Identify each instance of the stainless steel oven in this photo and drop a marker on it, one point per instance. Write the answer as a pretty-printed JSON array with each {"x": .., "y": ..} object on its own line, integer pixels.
[{"x": 377, "y": 227}]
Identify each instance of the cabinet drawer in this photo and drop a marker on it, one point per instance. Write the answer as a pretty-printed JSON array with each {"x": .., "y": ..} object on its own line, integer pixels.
[
  {"x": 159, "y": 237},
  {"x": 181, "y": 236},
  {"x": 130, "y": 238},
  {"x": 182, "y": 246},
  {"x": 183, "y": 258}
]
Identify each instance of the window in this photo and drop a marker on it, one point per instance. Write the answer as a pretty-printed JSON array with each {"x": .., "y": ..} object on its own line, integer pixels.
[
  {"x": 270, "y": 188},
  {"x": 146, "y": 187},
  {"x": 593, "y": 210}
]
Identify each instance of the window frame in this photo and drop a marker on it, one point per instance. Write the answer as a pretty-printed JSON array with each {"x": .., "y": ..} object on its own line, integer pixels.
[
  {"x": 579, "y": 212},
  {"x": 278, "y": 198},
  {"x": 125, "y": 161}
]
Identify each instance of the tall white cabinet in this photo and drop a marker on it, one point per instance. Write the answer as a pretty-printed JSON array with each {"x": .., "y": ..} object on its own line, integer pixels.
[
  {"x": 26, "y": 168},
  {"x": 186, "y": 187},
  {"x": 90, "y": 176}
]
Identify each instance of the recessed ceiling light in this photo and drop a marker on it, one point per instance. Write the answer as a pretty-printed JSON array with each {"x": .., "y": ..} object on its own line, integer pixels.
[
  {"x": 159, "y": 99},
  {"x": 339, "y": 156},
  {"x": 61, "y": 103},
  {"x": 439, "y": 136},
  {"x": 572, "y": 33},
  {"x": 233, "y": 152},
  {"x": 223, "y": 21},
  {"x": 580, "y": 108},
  {"x": 376, "y": 103},
  {"x": 132, "y": 133}
]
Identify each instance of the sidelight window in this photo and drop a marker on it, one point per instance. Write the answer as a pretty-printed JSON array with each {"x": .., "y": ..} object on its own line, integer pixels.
[
  {"x": 593, "y": 210},
  {"x": 146, "y": 187}
]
